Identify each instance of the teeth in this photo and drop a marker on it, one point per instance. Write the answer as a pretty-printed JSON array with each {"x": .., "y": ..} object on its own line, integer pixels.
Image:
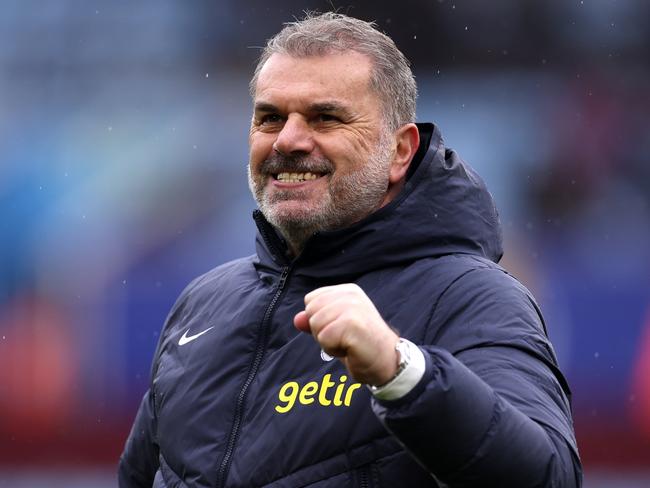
[{"x": 296, "y": 177}]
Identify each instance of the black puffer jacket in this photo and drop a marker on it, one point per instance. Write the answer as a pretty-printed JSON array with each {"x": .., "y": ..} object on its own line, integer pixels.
[{"x": 239, "y": 398}]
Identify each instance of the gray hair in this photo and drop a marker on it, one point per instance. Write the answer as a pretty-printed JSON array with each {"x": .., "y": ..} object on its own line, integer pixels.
[{"x": 321, "y": 34}]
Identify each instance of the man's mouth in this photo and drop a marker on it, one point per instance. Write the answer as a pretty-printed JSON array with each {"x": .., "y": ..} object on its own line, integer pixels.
[{"x": 296, "y": 177}]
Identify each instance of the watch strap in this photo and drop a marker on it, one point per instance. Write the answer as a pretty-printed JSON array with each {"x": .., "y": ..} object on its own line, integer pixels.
[{"x": 410, "y": 370}]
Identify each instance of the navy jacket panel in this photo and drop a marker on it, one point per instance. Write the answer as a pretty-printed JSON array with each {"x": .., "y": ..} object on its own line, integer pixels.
[
  {"x": 492, "y": 376},
  {"x": 195, "y": 384},
  {"x": 139, "y": 461},
  {"x": 240, "y": 398}
]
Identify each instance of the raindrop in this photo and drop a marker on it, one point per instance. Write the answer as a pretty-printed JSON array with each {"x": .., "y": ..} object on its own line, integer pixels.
[{"x": 596, "y": 355}]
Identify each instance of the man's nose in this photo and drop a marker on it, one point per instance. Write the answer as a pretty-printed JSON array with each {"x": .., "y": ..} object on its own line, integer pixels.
[{"x": 295, "y": 136}]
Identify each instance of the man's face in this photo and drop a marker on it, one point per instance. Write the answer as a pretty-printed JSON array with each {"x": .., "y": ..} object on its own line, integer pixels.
[{"x": 330, "y": 165}]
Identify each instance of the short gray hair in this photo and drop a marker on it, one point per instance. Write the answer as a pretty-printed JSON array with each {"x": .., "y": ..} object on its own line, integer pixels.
[{"x": 330, "y": 32}]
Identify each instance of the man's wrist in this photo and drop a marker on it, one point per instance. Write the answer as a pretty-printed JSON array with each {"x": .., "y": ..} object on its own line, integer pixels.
[{"x": 409, "y": 372}]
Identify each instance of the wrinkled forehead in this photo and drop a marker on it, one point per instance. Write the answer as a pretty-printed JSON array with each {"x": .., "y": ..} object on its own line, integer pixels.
[{"x": 334, "y": 72}]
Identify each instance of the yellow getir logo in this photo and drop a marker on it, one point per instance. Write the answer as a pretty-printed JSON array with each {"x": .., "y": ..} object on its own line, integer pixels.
[{"x": 313, "y": 391}]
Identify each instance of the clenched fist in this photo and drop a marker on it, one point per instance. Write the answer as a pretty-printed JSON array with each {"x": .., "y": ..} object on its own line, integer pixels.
[{"x": 347, "y": 325}]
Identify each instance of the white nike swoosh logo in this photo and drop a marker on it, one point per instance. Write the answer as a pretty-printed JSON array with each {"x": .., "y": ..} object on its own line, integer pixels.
[
  {"x": 325, "y": 357},
  {"x": 185, "y": 339}
]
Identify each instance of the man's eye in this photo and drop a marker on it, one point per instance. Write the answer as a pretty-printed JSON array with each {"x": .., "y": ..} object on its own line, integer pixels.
[
  {"x": 327, "y": 118},
  {"x": 270, "y": 119}
]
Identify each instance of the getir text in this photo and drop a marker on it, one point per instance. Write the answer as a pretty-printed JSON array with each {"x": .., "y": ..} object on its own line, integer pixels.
[{"x": 327, "y": 393}]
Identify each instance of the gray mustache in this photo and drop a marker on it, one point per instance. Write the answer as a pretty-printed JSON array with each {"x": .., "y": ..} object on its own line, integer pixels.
[{"x": 279, "y": 163}]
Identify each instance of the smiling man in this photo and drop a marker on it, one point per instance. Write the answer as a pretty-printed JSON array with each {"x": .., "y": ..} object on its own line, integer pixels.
[
  {"x": 322, "y": 156},
  {"x": 372, "y": 340}
]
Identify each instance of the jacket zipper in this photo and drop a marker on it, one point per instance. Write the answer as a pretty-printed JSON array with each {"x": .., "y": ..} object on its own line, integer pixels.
[
  {"x": 364, "y": 477},
  {"x": 252, "y": 372}
]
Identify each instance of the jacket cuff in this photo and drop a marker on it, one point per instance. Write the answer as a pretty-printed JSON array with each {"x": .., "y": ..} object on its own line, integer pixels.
[{"x": 407, "y": 379}]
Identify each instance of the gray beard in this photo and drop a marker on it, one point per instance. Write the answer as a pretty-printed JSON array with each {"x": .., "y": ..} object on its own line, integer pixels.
[{"x": 349, "y": 198}]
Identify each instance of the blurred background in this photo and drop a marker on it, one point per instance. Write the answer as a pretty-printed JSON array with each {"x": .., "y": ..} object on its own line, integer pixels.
[{"x": 123, "y": 129}]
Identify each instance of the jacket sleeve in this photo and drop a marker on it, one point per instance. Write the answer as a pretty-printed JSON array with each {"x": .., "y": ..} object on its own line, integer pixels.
[
  {"x": 139, "y": 461},
  {"x": 492, "y": 408}
]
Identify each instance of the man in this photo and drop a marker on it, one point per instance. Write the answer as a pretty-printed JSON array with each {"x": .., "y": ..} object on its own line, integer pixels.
[{"x": 365, "y": 220}]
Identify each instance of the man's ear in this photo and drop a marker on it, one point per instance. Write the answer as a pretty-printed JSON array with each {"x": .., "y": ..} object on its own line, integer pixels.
[{"x": 407, "y": 141}]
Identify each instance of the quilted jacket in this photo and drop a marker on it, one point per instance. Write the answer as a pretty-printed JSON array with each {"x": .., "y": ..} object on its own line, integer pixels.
[{"x": 240, "y": 398}]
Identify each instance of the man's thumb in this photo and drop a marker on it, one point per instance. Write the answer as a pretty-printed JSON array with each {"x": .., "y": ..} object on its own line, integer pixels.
[{"x": 301, "y": 322}]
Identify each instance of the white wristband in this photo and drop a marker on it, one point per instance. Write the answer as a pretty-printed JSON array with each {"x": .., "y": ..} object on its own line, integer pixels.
[{"x": 406, "y": 379}]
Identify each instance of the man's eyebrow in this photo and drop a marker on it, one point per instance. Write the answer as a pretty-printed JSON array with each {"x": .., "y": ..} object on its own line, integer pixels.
[
  {"x": 265, "y": 107},
  {"x": 318, "y": 107},
  {"x": 329, "y": 107}
]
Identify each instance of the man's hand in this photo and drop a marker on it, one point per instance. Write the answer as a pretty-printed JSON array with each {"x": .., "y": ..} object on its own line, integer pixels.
[{"x": 347, "y": 325}]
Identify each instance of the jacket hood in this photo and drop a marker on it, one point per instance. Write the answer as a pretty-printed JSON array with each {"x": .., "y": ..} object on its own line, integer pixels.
[{"x": 444, "y": 208}]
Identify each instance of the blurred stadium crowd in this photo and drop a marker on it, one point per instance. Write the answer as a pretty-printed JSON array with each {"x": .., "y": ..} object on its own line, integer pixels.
[{"x": 123, "y": 132}]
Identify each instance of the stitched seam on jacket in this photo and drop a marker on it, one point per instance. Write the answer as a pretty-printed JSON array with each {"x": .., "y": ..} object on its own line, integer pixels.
[
  {"x": 494, "y": 420},
  {"x": 435, "y": 306},
  {"x": 167, "y": 472},
  {"x": 343, "y": 453}
]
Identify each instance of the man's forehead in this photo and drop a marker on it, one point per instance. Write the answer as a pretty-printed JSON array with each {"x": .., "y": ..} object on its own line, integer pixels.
[{"x": 345, "y": 69}]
